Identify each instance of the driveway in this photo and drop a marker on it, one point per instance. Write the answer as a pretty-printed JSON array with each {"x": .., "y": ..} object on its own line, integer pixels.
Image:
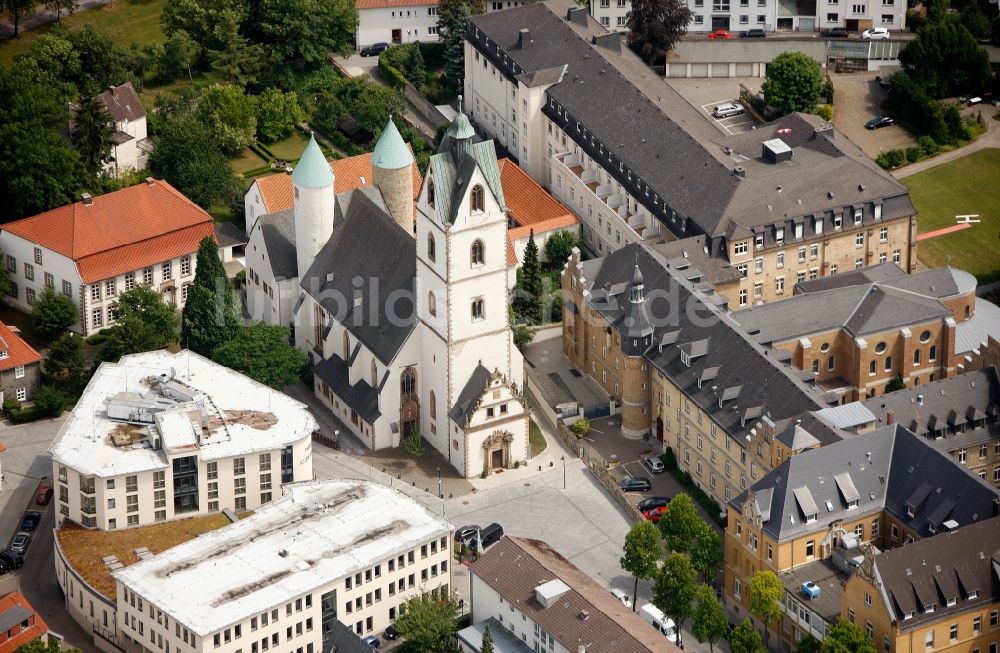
[{"x": 857, "y": 98}]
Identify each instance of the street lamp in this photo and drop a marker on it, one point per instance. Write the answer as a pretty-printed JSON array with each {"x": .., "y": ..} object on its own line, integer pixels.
[
  {"x": 564, "y": 471},
  {"x": 440, "y": 494}
]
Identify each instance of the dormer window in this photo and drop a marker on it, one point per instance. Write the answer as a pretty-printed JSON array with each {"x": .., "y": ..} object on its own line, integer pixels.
[
  {"x": 758, "y": 241},
  {"x": 951, "y": 602},
  {"x": 929, "y": 608},
  {"x": 4, "y": 353},
  {"x": 686, "y": 359},
  {"x": 779, "y": 235},
  {"x": 974, "y": 595}
]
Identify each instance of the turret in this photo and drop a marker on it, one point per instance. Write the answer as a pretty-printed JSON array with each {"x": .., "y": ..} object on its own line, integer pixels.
[
  {"x": 392, "y": 169},
  {"x": 315, "y": 205}
]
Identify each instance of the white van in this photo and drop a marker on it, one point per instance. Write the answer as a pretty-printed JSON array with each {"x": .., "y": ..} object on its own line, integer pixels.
[
  {"x": 654, "y": 616},
  {"x": 727, "y": 110}
]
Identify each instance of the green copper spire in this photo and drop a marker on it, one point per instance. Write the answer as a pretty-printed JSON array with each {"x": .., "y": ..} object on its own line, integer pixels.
[
  {"x": 313, "y": 170},
  {"x": 391, "y": 152}
]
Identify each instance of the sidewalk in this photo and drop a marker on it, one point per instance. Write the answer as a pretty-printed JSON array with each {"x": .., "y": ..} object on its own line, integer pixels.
[{"x": 990, "y": 139}]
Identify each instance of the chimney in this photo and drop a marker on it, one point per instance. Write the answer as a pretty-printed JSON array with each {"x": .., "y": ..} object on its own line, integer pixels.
[
  {"x": 890, "y": 417},
  {"x": 87, "y": 198},
  {"x": 524, "y": 38},
  {"x": 582, "y": 648},
  {"x": 150, "y": 181},
  {"x": 740, "y": 172}
]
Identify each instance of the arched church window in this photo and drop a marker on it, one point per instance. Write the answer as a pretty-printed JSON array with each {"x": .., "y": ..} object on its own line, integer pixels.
[
  {"x": 478, "y": 309},
  {"x": 408, "y": 382},
  {"x": 478, "y": 199},
  {"x": 432, "y": 405},
  {"x": 430, "y": 246},
  {"x": 477, "y": 256},
  {"x": 430, "y": 193}
]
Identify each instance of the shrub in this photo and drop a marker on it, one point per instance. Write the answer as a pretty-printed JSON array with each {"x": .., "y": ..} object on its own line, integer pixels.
[
  {"x": 517, "y": 464},
  {"x": 11, "y": 404},
  {"x": 581, "y": 427},
  {"x": 824, "y": 111},
  {"x": 49, "y": 402},
  {"x": 392, "y": 76},
  {"x": 828, "y": 91},
  {"x": 882, "y": 160},
  {"x": 914, "y": 154},
  {"x": 927, "y": 144}
]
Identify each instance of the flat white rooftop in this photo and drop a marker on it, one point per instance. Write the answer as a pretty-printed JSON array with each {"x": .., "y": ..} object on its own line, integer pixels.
[
  {"x": 317, "y": 533},
  {"x": 146, "y": 407}
]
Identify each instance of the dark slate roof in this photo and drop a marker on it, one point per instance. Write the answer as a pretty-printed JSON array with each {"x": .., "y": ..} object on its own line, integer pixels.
[
  {"x": 361, "y": 396},
  {"x": 341, "y": 639},
  {"x": 940, "y": 283},
  {"x": 878, "y": 273},
  {"x": 860, "y": 310},
  {"x": 367, "y": 244},
  {"x": 963, "y": 564},
  {"x": 122, "y": 103},
  {"x": 229, "y": 235},
  {"x": 753, "y": 382},
  {"x": 619, "y": 111},
  {"x": 889, "y": 468},
  {"x": 278, "y": 232},
  {"x": 470, "y": 394},
  {"x": 946, "y": 411}
]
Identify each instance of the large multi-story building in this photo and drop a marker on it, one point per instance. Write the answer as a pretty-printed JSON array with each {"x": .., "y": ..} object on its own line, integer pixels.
[
  {"x": 342, "y": 550},
  {"x": 858, "y": 331},
  {"x": 587, "y": 119},
  {"x": 680, "y": 368},
  {"x": 157, "y": 436},
  {"x": 809, "y": 519},
  {"x": 95, "y": 249},
  {"x": 522, "y": 588}
]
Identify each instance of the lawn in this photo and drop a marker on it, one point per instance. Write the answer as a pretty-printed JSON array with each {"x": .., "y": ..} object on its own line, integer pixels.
[
  {"x": 246, "y": 160},
  {"x": 131, "y": 21},
  {"x": 536, "y": 439},
  {"x": 965, "y": 186},
  {"x": 291, "y": 148}
]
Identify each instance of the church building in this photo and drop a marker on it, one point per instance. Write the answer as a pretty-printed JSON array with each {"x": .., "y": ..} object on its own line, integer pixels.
[{"x": 401, "y": 303}]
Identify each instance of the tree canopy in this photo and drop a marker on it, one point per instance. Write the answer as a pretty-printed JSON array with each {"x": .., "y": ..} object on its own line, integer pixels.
[
  {"x": 674, "y": 589},
  {"x": 655, "y": 26},
  {"x": 947, "y": 61},
  {"x": 53, "y": 312},
  {"x": 64, "y": 358},
  {"x": 766, "y": 592},
  {"x": 845, "y": 637},
  {"x": 189, "y": 155},
  {"x": 427, "y": 624},
  {"x": 144, "y": 322},
  {"x": 453, "y": 22},
  {"x": 262, "y": 352},
  {"x": 709, "y": 619},
  {"x": 746, "y": 639},
  {"x": 92, "y": 134},
  {"x": 211, "y": 313},
  {"x": 794, "y": 82},
  {"x": 680, "y": 524},
  {"x": 231, "y": 114},
  {"x": 559, "y": 247},
  {"x": 641, "y": 554},
  {"x": 277, "y": 114}
]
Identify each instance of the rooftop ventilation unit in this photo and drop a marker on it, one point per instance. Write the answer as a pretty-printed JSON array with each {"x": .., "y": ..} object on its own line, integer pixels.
[{"x": 776, "y": 151}]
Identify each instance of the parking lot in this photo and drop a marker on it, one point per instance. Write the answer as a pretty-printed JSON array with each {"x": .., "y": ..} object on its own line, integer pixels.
[
  {"x": 738, "y": 124},
  {"x": 706, "y": 93}
]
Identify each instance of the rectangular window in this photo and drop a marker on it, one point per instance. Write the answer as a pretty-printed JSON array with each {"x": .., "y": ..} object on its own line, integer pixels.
[
  {"x": 129, "y": 280},
  {"x": 167, "y": 271},
  {"x": 147, "y": 276},
  {"x": 239, "y": 485},
  {"x": 185, "y": 266},
  {"x": 50, "y": 281},
  {"x": 29, "y": 271}
]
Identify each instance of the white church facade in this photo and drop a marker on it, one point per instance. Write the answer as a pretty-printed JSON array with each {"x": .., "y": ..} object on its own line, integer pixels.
[{"x": 401, "y": 304}]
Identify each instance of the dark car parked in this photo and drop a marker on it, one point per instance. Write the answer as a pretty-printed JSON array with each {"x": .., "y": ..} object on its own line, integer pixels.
[
  {"x": 755, "y": 33},
  {"x": 391, "y": 633},
  {"x": 835, "y": 33},
  {"x": 653, "y": 502},
  {"x": 31, "y": 520},
  {"x": 374, "y": 50},
  {"x": 634, "y": 484},
  {"x": 880, "y": 122},
  {"x": 11, "y": 559}
]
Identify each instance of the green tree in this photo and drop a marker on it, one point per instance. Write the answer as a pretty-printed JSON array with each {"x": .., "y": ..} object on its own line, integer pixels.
[
  {"x": 17, "y": 8},
  {"x": 453, "y": 23},
  {"x": 39, "y": 169},
  {"x": 92, "y": 134},
  {"x": 427, "y": 624},
  {"x": 528, "y": 294},
  {"x": 5, "y": 283},
  {"x": 59, "y": 6},
  {"x": 188, "y": 154},
  {"x": 709, "y": 619},
  {"x": 370, "y": 104},
  {"x": 559, "y": 247},
  {"x": 277, "y": 114},
  {"x": 104, "y": 61},
  {"x": 180, "y": 53},
  {"x": 895, "y": 383},
  {"x": 765, "y": 596},
  {"x": 845, "y": 637},
  {"x": 581, "y": 427},
  {"x": 146, "y": 304},
  {"x": 641, "y": 554},
  {"x": 262, "y": 352},
  {"x": 49, "y": 401},
  {"x": 232, "y": 115},
  {"x": 809, "y": 644},
  {"x": 209, "y": 22},
  {"x": 706, "y": 554},
  {"x": 487, "y": 646},
  {"x": 674, "y": 589},
  {"x": 238, "y": 61},
  {"x": 947, "y": 61},
  {"x": 38, "y": 646},
  {"x": 57, "y": 58},
  {"x": 53, "y": 312},
  {"x": 794, "y": 82},
  {"x": 64, "y": 358},
  {"x": 680, "y": 525},
  {"x": 211, "y": 314},
  {"x": 301, "y": 33},
  {"x": 131, "y": 335},
  {"x": 655, "y": 26},
  {"x": 746, "y": 639}
]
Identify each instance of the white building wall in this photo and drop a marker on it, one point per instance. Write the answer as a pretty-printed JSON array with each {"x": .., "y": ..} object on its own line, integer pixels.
[
  {"x": 19, "y": 258},
  {"x": 403, "y": 24},
  {"x": 268, "y": 300},
  {"x": 253, "y": 206}
]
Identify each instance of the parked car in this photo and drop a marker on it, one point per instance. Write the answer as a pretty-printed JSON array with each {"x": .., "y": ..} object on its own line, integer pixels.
[
  {"x": 623, "y": 597},
  {"x": 372, "y": 641},
  {"x": 721, "y": 34},
  {"x": 654, "y": 616},
  {"x": 655, "y": 514},
  {"x": 973, "y": 100},
  {"x": 5, "y": 567},
  {"x": 835, "y": 33},
  {"x": 652, "y": 502},
  {"x": 654, "y": 464},
  {"x": 44, "y": 495},
  {"x": 755, "y": 33},
  {"x": 12, "y": 559},
  {"x": 391, "y": 633},
  {"x": 20, "y": 543},
  {"x": 374, "y": 50},
  {"x": 488, "y": 536},
  {"x": 634, "y": 484},
  {"x": 466, "y": 533},
  {"x": 875, "y": 34},
  {"x": 880, "y": 122},
  {"x": 728, "y": 109},
  {"x": 31, "y": 520}
]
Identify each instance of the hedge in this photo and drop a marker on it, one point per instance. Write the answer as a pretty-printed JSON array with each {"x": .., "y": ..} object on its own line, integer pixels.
[
  {"x": 391, "y": 75},
  {"x": 700, "y": 497}
]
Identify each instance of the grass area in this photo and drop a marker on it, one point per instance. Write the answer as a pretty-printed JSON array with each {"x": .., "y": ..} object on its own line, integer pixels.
[
  {"x": 291, "y": 148},
  {"x": 131, "y": 21},
  {"x": 85, "y": 549},
  {"x": 246, "y": 160},
  {"x": 964, "y": 186},
  {"x": 536, "y": 439}
]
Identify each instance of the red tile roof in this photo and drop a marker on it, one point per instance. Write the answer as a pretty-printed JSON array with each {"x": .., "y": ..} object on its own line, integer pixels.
[
  {"x": 18, "y": 351},
  {"x": 349, "y": 174},
  {"x": 32, "y": 632},
  {"x": 126, "y": 230},
  {"x": 511, "y": 255},
  {"x": 529, "y": 204},
  {"x": 387, "y": 4}
]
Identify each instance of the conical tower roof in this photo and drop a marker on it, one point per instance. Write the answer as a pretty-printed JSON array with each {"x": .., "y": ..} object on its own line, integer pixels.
[
  {"x": 391, "y": 152},
  {"x": 460, "y": 128},
  {"x": 312, "y": 170}
]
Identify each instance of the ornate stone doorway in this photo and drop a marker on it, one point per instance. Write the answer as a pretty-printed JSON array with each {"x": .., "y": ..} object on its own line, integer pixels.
[{"x": 496, "y": 450}]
